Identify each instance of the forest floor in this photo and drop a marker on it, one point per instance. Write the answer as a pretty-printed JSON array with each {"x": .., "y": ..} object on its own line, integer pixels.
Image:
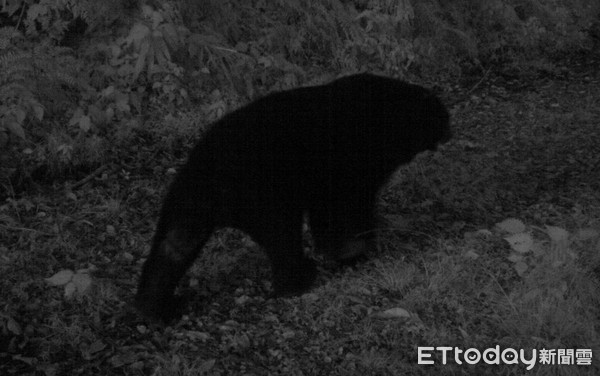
[{"x": 493, "y": 240}]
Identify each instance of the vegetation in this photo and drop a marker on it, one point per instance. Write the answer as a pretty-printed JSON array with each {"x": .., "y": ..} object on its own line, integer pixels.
[{"x": 492, "y": 241}]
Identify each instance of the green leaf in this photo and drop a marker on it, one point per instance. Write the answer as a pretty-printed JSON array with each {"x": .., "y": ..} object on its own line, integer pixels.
[
  {"x": 557, "y": 234},
  {"x": 14, "y": 126},
  {"x": 13, "y": 326},
  {"x": 76, "y": 116},
  {"x": 143, "y": 54},
  {"x": 586, "y": 234},
  {"x": 139, "y": 33},
  {"x": 20, "y": 114},
  {"x": 85, "y": 123},
  {"x": 521, "y": 243},
  {"x": 38, "y": 111},
  {"x": 36, "y": 10}
]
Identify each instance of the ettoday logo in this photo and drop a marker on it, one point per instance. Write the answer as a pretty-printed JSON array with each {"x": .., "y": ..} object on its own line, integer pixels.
[
  {"x": 473, "y": 356},
  {"x": 495, "y": 355}
]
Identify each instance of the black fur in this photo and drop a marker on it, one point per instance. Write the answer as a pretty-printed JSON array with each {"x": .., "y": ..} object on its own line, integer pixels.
[{"x": 325, "y": 150}]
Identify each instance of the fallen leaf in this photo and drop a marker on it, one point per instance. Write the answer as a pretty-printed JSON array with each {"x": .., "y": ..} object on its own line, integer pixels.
[
  {"x": 60, "y": 278},
  {"x": 521, "y": 268},
  {"x": 82, "y": 282},
  {"x": 511, "y": 225},
  {"x": 393, "y": 313}
]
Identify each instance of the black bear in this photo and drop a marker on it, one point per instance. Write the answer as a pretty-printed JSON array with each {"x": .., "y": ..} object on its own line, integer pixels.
[{"x": 323, "y": 150}]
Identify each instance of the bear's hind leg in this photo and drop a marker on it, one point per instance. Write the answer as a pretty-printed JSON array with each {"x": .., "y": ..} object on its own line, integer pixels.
[{"x": 293, "y": 272}]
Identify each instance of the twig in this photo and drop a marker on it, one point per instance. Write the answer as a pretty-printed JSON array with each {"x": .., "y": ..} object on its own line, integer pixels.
[
  {"x": 20, "y": 17},
  {"x": 97, "y": 172},
  {"x": 480, "y": 81},
  {"x": 12, "y": 228}
]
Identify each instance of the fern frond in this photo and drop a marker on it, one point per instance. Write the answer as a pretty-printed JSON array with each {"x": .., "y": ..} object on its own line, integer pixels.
[
  {"x": 7, "y": 34},
  {"x": 15, "y": 66},
  {"x": 14, "y": 89},
  {"x": 12, "y": 59},
  {"x": 64, "y": 78}
]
